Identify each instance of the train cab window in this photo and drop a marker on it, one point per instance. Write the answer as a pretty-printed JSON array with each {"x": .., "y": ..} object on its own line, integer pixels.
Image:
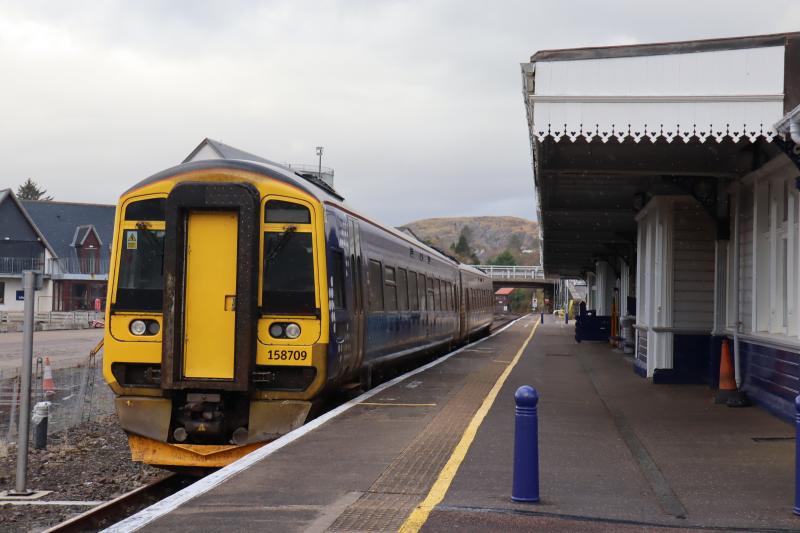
[
  {"x": 431, "y": 295},
  {"x": 152, "y": 209},
  {"x": 421, "y": 291},
  {"x": 336, "y": 275},
  {"x": 141, "y": 271},
  {"x": 389, "y": 289},
  {"x": 288, "y": 273},
  {"x": 402, "y": 289},
  {"x": 278, "y": 211},
  {"x": 413, "y": 298},
  {"x": 375, "y": 285}
]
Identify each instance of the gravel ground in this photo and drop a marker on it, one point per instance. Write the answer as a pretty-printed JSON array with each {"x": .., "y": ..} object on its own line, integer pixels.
[{"x": 87, "y": 462}]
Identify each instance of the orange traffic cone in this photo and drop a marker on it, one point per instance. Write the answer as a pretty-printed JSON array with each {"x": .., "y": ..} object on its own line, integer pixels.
[
  {"x": 48, "y": 384},
  {"x": 728, "y": 393}
]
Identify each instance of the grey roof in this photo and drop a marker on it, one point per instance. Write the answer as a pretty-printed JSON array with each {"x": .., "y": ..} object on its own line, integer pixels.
[
  {"x": 665, "y": 48},
  {"x": 9, "y": 194},
  {"x": 60, "y": 223},
  {"x": 227, "y": 152}
]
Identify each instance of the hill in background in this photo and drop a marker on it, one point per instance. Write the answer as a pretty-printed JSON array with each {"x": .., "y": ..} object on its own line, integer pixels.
[{"x": 486, "y": 237}]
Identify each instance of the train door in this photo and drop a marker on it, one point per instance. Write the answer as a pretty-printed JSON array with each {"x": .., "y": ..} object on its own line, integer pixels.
[
  {"x": 461, "y": 307},
  {"x": 357, "y": 277},
  {"x": 210, "y": 297}
]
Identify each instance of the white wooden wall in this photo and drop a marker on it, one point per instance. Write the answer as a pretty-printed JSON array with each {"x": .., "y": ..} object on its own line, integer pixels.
[
  {"x": 746, "y": 259},
  {"x": 694, "y": 250}
]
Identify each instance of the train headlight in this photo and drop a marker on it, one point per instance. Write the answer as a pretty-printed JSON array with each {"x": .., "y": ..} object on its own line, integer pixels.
[
  {"x": 153, "y": 328},
  {"x": 292, "y": 330},
  {"x": 276, "y": 330},
  {"x": 138, "y": 327}
]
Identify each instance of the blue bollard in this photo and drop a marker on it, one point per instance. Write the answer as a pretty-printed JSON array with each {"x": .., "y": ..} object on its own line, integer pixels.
[
  {"x": 797, "y": 456},
  {"x": 526, "y": 446}
]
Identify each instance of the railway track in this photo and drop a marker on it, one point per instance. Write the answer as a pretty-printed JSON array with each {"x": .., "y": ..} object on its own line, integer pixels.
[{"x": 123, "y": 506}]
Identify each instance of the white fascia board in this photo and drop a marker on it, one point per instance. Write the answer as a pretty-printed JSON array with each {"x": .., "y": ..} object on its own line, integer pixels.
[{"x": 721, "y": 94}]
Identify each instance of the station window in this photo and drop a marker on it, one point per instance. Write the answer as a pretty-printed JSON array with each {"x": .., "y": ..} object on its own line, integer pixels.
[
  {"x": 375, "y": 285},
  {"x": 390, "y": 289},
  {"x": 413, "y": 298},
  {"x": 337, "y": 278},
  {"x": 278, "y": 211},
  {"x": 402, "y": 289}
]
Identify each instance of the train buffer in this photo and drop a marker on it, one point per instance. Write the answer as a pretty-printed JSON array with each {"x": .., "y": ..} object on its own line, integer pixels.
[{"x": 433, "y": 452}]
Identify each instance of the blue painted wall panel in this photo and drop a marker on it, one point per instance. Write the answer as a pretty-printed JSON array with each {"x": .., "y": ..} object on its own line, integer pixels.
[{"x": 771, "y": 377}]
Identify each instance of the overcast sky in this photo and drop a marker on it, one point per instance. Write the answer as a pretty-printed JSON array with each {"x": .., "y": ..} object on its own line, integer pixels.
[{"x": 418, "y": 104}]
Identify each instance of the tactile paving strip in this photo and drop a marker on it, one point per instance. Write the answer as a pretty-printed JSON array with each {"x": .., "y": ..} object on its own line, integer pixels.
[{"x": 406, "y": 481}]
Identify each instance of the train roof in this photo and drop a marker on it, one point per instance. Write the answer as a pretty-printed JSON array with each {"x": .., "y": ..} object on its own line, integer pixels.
[
  {"x": 321, "y": 191},
  {"x": 309, "y": 184}
]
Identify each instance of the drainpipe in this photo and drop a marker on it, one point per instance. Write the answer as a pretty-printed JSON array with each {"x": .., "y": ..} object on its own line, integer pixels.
[{"x": 738, "y": 323}]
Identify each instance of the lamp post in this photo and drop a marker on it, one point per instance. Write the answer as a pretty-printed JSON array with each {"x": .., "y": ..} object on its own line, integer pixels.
[{"x": 319, "y": 153}]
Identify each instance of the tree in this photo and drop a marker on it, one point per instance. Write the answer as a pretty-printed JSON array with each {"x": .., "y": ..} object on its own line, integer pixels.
[
  {"x": 462, "y": 248},
  {"x": 504, "y": 259},
  {"x": 515, "y": 242},
  {"x": 30, "y": 191}
]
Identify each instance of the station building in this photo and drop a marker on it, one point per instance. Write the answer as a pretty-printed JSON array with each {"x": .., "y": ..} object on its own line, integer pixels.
[
  {"x": 68, "y": 242},
  {"x": 669, "y": 173}
]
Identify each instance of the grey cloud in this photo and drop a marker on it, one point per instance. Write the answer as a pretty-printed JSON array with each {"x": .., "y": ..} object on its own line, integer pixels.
[{"x": 419, "y": 104}]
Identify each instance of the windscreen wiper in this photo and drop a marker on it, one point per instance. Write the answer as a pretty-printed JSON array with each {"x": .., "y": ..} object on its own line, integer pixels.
[{"x": 285, "y": 236}]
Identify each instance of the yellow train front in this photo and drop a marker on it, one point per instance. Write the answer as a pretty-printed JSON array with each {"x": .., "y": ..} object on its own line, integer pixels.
[{"x": 239, "y": 292}]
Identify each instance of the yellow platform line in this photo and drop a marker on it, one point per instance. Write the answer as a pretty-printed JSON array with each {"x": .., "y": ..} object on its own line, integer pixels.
[
  {"x": 388, "y": 404},
  {"x": 420, "y": 514}
]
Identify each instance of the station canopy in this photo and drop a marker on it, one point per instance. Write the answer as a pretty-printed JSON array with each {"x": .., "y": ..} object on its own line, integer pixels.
[{"x": 611, "y": 127}]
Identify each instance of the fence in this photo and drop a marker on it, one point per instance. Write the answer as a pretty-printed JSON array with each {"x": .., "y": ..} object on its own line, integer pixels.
[
  {"x": 15, "y": 265},
  {"x": 513, "y": 273},
  {"x": 81, "y": 394},
  {"x": 83, "y": 265},
  {"x": 12, "y": 320}
]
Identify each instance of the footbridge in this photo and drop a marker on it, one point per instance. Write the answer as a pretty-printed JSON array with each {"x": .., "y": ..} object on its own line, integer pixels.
[{"x": 518, "y": 276}]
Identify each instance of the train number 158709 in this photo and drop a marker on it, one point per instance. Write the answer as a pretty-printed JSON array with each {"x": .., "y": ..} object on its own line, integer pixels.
[{"x": 287, "y": 355}]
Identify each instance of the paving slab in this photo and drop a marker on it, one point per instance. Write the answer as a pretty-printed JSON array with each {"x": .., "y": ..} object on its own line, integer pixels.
[{"x": 618, "y": 452}]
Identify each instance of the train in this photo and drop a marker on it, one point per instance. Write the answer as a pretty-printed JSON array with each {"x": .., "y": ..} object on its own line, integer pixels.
[{"x": 241, "y": 293}]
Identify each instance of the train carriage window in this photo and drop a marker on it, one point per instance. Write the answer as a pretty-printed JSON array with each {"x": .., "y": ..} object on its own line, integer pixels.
[
  {"x": 336, "y": 275},
  {"x": 450, "y": 305},
  {"x": 413, "y": 298},
  {"x": 288, "y": 273},
  {"x": 431, "y": 295},
  {"x": 278, "y": 211},
  {"x": 389, "y": 289},
  {"x": 437, "y": 291},
  {"x": 450, "y": 294},
  {"x": 421, "y": 291},
  {"x": 375, "y": 285},
  {"x": 402, "y": 289}
]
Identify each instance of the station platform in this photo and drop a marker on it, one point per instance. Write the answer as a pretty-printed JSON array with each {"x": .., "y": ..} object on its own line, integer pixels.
[{"x": 433, "y": 453}]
